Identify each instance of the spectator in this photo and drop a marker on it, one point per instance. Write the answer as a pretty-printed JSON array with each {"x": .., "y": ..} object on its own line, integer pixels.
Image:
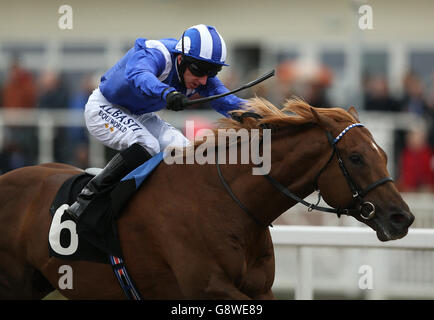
[
  {"x": 80, "y": 157},
  {"x": 1, "y": 94},
  {"x": 306, "y": 79},
  {"x": 377, "y": 95},
  {"x": 54, "y": 94},
  {"x": 19, "y": 90},
  {"x": 77, "y": 136},
  {"x": 316, "y": 95},
  {"x": 413, "y": 100},
  {"x": 416, "y": 163},
  {"x": 430, "y": 109},
  {"x": 12, "y": 157}
]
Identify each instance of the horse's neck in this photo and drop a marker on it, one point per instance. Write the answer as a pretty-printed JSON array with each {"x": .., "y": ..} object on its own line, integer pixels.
[{"x": 295, "y": 163}]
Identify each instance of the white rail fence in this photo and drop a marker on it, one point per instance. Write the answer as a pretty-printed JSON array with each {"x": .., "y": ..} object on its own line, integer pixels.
[
  {"x": 382, "y": 125},
  {"x": 47, "y": 120},
  {"x": 396, "y": 268}
]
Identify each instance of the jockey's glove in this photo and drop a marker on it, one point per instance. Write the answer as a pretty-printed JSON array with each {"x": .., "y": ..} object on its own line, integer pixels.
[{"x": 176, "y": 101}]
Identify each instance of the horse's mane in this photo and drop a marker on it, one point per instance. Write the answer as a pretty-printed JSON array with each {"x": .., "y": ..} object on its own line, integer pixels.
[
  {"x": 296, "y": 112},
  {"x": 301, "y": 114}
]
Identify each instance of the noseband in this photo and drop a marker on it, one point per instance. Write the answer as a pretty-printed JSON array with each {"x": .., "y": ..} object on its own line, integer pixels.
[{"x": 366, "y": 210}]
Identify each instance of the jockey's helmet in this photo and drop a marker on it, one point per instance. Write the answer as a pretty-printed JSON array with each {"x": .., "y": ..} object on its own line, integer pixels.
[{"x": 203, "y": 51}]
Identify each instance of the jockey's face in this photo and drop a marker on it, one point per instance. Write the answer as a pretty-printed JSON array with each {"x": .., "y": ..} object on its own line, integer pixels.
[{"x": 190, "y": 80}]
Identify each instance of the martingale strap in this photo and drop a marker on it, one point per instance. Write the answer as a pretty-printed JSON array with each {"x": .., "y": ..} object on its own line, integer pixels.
[{"x": 124, "y": 279}]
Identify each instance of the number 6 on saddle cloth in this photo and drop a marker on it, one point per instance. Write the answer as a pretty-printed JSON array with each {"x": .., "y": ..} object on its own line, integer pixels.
[{"x": 95, "y": 237}]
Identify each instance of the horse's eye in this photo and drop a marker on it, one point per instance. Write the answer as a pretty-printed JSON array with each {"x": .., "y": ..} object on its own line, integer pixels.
[{"x": 356, "y": 159}]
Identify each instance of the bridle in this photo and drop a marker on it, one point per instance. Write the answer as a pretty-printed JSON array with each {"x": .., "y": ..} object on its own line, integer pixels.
[{"x": 365, "y": 209}]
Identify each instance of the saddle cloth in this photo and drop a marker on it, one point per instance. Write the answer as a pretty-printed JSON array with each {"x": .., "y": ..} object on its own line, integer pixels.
[{"x": 94, "y": 237}]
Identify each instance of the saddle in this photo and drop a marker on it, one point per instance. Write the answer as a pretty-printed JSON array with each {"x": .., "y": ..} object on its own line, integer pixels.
[{"x": 94, "y": 237}]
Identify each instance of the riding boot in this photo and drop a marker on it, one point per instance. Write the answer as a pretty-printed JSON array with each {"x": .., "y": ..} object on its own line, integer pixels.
[{"x": 118, "y": 167}]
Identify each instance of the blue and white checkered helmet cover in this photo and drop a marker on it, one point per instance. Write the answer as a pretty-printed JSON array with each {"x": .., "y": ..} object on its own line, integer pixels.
[{"x": 204, "y": 43}]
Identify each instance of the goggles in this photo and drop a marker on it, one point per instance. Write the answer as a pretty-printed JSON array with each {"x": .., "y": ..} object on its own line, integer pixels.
[{"x": 200, "y": 69}]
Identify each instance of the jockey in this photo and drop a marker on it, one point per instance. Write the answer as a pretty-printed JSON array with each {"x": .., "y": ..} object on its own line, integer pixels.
[{"x": 153, "y": 75}]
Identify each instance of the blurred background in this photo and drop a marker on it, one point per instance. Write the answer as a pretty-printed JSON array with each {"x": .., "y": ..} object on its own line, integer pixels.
[{"x": 321, "y": 53}]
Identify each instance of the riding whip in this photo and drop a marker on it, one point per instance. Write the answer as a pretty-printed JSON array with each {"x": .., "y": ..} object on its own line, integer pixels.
[{"x": 245, "y": 86}]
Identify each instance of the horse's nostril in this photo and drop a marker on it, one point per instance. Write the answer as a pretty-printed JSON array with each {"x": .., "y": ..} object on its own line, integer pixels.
[
  {"x": 397, "y": 218},
  {"x": 400, "y": 219}
]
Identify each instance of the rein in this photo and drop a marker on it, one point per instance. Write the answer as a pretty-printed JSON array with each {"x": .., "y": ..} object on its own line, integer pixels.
[
  {"x": 234, "y": 197},
  {"x": 240, "y": 118},
  {"x": 366, "y": 209}
]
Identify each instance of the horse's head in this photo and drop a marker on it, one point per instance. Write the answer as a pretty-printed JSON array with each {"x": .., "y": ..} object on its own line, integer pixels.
[
  {"x": 361, "y": 181},
  {"x": 350, "y": 169}
]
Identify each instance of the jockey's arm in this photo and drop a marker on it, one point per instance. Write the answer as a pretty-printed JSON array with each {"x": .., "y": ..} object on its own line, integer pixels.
[
  {"x": 225, "y": 104},
  {"x": 142, "y": 71}
]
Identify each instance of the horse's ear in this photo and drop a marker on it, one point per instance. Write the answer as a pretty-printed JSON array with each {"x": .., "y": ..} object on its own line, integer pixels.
[
  {"x": 354, "y": 113},
  {"x": 324, "y": 122}
]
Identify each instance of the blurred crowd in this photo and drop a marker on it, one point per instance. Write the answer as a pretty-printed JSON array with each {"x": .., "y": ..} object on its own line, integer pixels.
[
  {"x": 23, "y": 90},
  {"x": 416, "y": 152},
  {"x": 310, "y": 81},
  {"x": 414, "y": 147}
]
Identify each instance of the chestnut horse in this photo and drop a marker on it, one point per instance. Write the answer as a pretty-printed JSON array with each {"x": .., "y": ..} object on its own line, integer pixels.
[{"x": 185, "y": 234}]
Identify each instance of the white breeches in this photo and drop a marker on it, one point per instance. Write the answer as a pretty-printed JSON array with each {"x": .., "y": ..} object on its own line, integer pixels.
[{"x": 118, "y": 129}]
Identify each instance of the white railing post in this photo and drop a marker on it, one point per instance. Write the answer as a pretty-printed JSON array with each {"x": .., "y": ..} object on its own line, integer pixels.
[
  {"x": 304, "y": 286},
  {"x": 304, "y": 239},
  {"x": 45, "y": 138},
  {"x": 379, "y": 264}
]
